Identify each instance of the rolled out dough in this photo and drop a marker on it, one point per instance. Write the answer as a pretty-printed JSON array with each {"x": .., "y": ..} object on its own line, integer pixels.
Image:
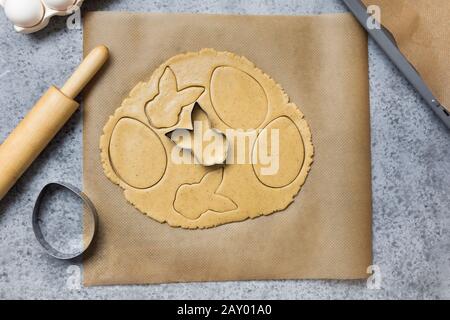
[{"x": 240, "y": 101}]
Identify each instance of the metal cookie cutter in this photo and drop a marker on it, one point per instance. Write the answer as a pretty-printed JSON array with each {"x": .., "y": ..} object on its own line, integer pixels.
[{"x": 37, "y": 229}]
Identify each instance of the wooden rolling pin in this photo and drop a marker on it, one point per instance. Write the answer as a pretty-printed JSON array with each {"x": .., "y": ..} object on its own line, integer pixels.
[{"x": 41, "y": 124}]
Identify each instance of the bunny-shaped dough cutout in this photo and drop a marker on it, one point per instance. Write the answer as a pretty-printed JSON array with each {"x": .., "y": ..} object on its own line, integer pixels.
[{"x": 163, "y": 111}]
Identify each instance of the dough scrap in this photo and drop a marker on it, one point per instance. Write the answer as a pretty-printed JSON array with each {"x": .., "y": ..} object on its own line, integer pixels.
[{"x": 234, "y": 94}]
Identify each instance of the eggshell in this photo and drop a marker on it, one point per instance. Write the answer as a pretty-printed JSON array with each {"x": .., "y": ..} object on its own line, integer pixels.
[
  {"x": 24, "y": 13},
  {"x": 60, "y": 5}
]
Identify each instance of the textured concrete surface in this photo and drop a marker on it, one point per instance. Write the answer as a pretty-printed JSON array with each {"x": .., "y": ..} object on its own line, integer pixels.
[{"x": 411, "y": 180}]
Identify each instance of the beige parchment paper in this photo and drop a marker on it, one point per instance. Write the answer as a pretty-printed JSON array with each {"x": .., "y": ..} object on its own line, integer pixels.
[
  {"x": 321, "y": 62},
  {"x": 421, "y": 29}
]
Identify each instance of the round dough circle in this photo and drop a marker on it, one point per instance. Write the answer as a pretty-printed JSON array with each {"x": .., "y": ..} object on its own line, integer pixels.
[
  {"x": 194, "y": 196},
  {"x": 24, "y": 13}
]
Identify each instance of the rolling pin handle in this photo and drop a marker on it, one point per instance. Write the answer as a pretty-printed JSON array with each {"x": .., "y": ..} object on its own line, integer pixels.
[
  {"x": 44, "y": 120},
  {"x": 86, "y": 71}
]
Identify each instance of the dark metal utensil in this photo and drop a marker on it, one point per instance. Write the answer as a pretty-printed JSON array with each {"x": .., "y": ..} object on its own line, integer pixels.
[{"x": 385, "y": 41}]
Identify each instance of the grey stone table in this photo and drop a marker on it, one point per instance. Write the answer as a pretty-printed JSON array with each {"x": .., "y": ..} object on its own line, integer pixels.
[{"x": 410, "y": 160}]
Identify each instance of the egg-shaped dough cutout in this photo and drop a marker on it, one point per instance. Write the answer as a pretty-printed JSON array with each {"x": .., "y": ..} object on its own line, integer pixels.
[
  {"x": 24, "y": 13},
  {"x": 60, "y": 5},
  {"x": 238, "y": 99},
  {"x": 137, "y": 154},
  {"x": 279, "y": 153}
]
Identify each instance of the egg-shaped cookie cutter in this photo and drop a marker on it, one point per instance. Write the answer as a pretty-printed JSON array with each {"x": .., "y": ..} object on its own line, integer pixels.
[
  {"x": 90, "y": 209},
  {"x": 29, "y": 16}
]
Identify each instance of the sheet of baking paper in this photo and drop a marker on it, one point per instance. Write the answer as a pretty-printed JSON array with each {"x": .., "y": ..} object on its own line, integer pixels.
[
  {"x": 321, "y": 62},
  {"x": 421, "y": 29}
]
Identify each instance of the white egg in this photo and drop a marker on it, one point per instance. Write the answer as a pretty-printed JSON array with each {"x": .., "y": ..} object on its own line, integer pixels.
[
  {"x": 24, "y": 13},
  {"x": 60, "y": 5}
]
